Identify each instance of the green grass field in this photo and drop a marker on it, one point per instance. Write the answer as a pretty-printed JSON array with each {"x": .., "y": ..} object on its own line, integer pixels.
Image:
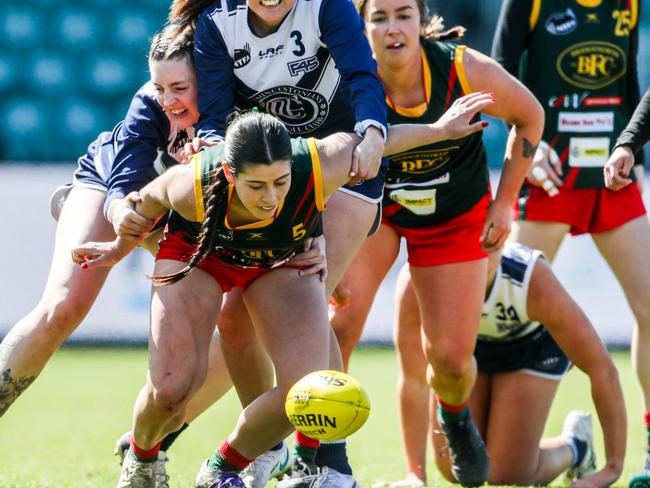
[{"x": 60, "y": 433}]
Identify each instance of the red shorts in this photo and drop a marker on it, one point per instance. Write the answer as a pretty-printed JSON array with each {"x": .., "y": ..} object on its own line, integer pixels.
[
  {"x": 586, "y": 210},
  {"x": 453, "y": 241},
  {"x": 229, "y": 276}
]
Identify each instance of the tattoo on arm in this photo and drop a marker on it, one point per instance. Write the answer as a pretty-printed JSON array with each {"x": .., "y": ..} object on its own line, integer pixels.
[
  {"x": 11, "y": 388},
  {"x": 529, "y": 149}
]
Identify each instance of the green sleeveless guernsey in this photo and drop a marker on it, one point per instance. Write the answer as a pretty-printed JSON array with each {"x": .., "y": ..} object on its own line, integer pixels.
[
  {"x": 576, "y": 65},
  {"x": 437, "y": 182},
  {"x": 267, "y": 243}
]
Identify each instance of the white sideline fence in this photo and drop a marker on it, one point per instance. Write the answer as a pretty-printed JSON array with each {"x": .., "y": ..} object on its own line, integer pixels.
[{"x": 121, "y": 313}]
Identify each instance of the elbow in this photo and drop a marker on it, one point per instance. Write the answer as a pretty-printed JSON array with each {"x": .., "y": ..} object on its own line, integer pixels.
[{"x": 530, "y": 119}]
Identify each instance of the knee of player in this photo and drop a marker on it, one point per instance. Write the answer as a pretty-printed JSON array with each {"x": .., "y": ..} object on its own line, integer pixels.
[
  {"x": 170, "y": 394},
  {"x": 449, "y": 362},
  {"x": 510, "y": 474}
]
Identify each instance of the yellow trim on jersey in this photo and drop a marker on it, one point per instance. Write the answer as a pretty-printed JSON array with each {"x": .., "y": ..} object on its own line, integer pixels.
[
  {"x": 253, "y": 225},
  {"x": 460, "y": 70},
  {"x": 634, "y": 13},
  {"x": 318, "y": 174},
  {"x": 534, "y": 14},
  {"x": 418, "y": 110},
  {"x": 589, "y": 3},
  {"x": 199, "y": 204}
]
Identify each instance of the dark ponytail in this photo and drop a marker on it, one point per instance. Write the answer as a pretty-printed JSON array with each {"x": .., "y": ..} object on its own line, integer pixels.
[
  {"x": 184, "y": 13},
  {"x": 251, "y": 138}
]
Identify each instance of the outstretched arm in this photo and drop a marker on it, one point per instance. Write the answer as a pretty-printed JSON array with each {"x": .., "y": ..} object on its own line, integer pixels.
[
  {"x": 336, "y": 151},
  {"x": 549, "y": 303},
  {"x": 173, "y": 190}
]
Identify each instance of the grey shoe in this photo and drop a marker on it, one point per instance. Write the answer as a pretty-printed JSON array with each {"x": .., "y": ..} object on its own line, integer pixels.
[
  {"x": 467, "y": 453},
  {"x": 327, "y": 478},
  {"x": 136, "y": 474},
  {"x": 122, "y": 445},
  {"x": 271, "y": 464},
  {"x": 215, "y": 478},
  {"x": 302, "y": 474},
  {"x": 579, "y": 425}
]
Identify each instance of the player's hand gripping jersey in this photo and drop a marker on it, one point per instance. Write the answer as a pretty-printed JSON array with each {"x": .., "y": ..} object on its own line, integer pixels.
[
  {"x": 138, "y": 149},
  {"x": 315, "y": 73},
  {"x": 579, "y": 60},
  {"x": 268, "y": 243},
  {"x": 435, "y": 183}
]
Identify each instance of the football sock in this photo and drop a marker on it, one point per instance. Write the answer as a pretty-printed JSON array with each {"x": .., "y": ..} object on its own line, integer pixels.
[
  {"x": 452, "y": 413},
  {"x": 142, "y": 455},
  {"x": 333, "y": 455},
  {"x": 227, "y": 459},
  {"x": 278, "y": 446},
  {"x": 646, "y": 421},
  {"x": 305, "y": 447},
  {"x": 170, "y": 438},
  {"x": 578, "y": 450}
]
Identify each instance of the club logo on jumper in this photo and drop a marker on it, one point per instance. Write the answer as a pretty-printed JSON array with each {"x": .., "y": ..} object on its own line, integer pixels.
[
  {"x": 300, "y": 109},
  {"x": 271, "y": 51},
  {"x": 242, "y": 56},
  {"x": 562, "y": 23},
  {"x": 577, "y": 100},
  {"x": 423, "y": 162},
  {"x": 303, "y": 66},
  {"x": 592, "y": 64}
]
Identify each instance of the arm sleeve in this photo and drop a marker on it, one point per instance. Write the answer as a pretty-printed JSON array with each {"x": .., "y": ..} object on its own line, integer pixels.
[
  {"x": 633, "y": 92},
  {"x": 637, "y": 132},
  {"x": 136, "y": 144},
  {"x": 214, "y": 76},
  {"x": 512, "y": 34},
  {"x": 342, "y": 32}
]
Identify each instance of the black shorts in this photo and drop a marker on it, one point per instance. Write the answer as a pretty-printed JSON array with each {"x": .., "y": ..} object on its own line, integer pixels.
[
  {"x": 537, "y": 354},
  {"x": 369, "y": 190}
]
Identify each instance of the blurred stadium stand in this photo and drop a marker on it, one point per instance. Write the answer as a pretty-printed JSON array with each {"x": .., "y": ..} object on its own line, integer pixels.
[{"x": 68, "y": 68}]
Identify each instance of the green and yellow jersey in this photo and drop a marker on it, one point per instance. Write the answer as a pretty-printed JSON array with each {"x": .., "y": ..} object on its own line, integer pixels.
[
  {"x": 267, "y": 243},
  {"x": 436, "y": 182},
  {"x": 579, "y": 62}
]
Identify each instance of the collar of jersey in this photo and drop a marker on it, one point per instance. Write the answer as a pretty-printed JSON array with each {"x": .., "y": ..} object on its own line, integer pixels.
[
  {"x": 252, "y": 225},
  {"x": 418, "y": 110}
]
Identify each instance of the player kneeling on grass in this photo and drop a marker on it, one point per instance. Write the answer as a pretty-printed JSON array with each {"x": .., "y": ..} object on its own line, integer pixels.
[
  {"x": 520, "y": 364},
  {"x": 258, "y": 197}
]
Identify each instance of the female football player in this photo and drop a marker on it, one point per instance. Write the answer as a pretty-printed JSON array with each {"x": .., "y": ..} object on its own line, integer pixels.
[
  {"x": 438, "y": 198},
  {"x": 259, "y": 196}
]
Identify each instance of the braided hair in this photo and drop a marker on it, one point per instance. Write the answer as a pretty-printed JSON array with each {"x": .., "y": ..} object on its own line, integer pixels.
[{"x": 251, "y": 138}]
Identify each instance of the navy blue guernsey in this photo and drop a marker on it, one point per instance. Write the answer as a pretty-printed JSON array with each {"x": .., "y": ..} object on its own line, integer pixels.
[
  {"x": 138, "y": 148},
  {"x": 315, "y": 73}
]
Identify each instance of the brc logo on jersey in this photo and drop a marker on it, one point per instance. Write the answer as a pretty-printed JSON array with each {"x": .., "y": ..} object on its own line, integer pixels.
[
  {"x": 562, "y": 23},
  {"x": 303, "y": 66},
  {"x": 423, "y": 162},
  {"x": 300, "y": 109},
  {"x": 271, "y": 51},
  {"x": 242, "y": 57},
  {"x": 592, "y": 64},
  {"x": 577, "y": 100}
]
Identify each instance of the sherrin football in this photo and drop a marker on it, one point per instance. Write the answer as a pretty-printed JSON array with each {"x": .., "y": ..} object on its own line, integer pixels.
[{"x": 327, "y": 405}]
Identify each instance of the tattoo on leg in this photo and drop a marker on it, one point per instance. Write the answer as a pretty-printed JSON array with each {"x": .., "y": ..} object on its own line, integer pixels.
[
  {"x": 529, "y": 149},
  {"x": 11, "y": 388}
]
